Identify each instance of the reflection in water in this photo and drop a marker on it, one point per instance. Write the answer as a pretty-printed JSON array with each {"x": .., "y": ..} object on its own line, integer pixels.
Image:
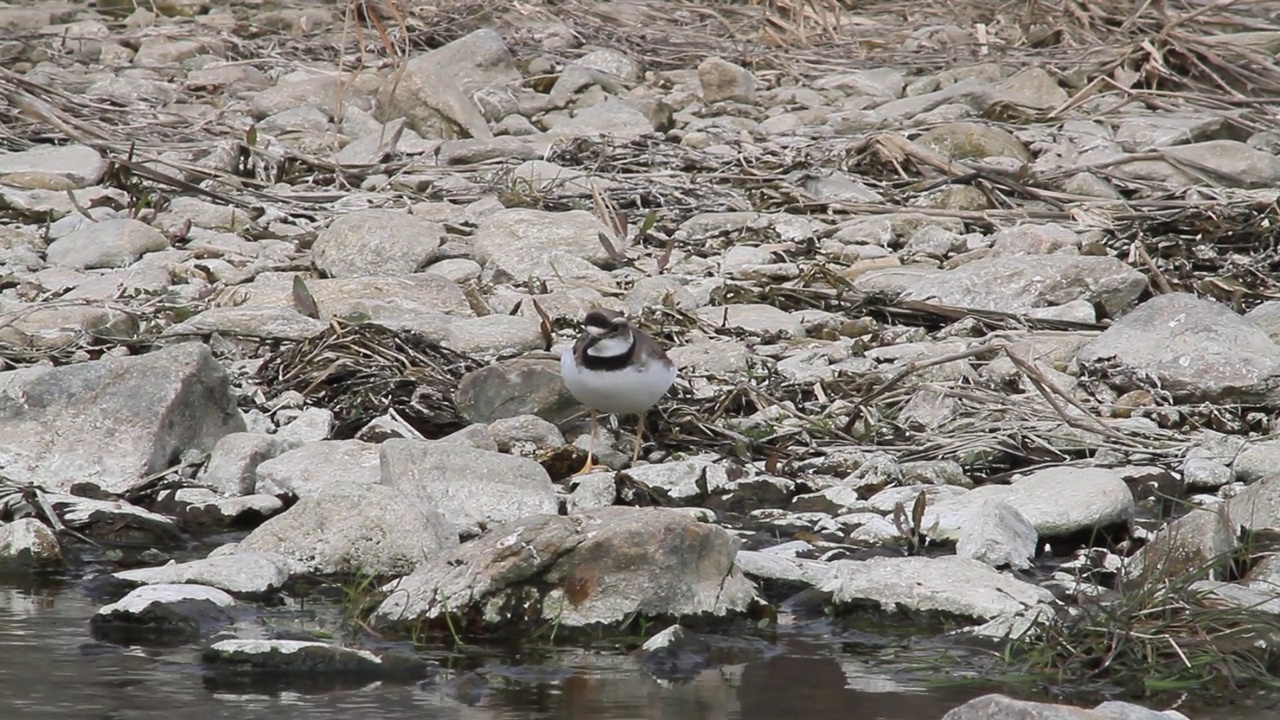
[{"x": 51, "y": 668}]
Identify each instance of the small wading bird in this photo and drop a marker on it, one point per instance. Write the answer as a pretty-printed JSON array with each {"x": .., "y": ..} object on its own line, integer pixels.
[{"x": 615, "y": 368}]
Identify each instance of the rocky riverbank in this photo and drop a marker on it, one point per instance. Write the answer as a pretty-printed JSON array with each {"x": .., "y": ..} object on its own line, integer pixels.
[{"x": 976, "y": 331}]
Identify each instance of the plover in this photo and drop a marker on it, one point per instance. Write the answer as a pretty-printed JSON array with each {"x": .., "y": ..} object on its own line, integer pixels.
[{"x": 618, "y": 369}]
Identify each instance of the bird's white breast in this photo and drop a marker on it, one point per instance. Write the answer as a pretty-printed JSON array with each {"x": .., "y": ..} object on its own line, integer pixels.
[{"x": 627, "y": 391}]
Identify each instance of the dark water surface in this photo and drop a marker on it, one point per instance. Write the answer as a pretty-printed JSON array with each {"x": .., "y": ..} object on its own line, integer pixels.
[{"x": 50, "y": 667}]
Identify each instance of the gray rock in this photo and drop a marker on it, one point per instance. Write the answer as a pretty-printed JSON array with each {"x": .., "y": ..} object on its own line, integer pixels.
[
  {"x": 308, "y": 469},
  {"x": 1001, "y": 707},
  {"x": 597, "y": 568},
  {"x": 459, "y": 270},
  {"x": 997, "y": 534},
  {"x": 1057, "y": 501},
  {"x": 1144, "y": 133},
  {"x": 880, "y": 82},
  {"x": 1198, "y": 542},
  {"x": 52, "y": 167},
  {"x": 782, "y": 569},
  {"x": 495, "y": 334},
  {"x": 1267, "y": 317},
  {"x": 245, "y": 574},
  {"x": 1230, "y": 162},
  {"x": 542, "y": 177},
  {"x": 312, "y": 424},
  {"x": 755, "y": 318},
  {"x": 1118, "y": 710},
  {"x": 1257, "y": 506},
  {"x": 60, "y": 326},
  {"x": 1025, "y": 282},
  {"x": 424, "y": 302},
  {"x": 164, "y": 614},
  {"x": 283, "y": 658},
  {"x": 234, "y": 460},
  {"x": 436, "y": 88},
  {"x": 615, "y": 119},
  {"x": 509, "y": 388},
  {"x": 507, "y": 147},
  {"x": 162, "y": 51},
  {"x": 1032, "y": 88},
  {"x": 713, "y": 357},
  {"x": 106, "y": 244},
  {"x": 1201, "y": 473},
  {"x": 113, "y": 520},
  {"x": 612, "y": 63},
  {"x": 28, "y": 544},
  {"x": 721, "y": 80},
  {"x": 510, "y": 433},
  {"x": 683, "y": 482},
  {"x": 353, "y": 528},
  {"x": 591, "y": 491},
  {"x": 521, "y": 239},
  {"x": 204, "y": 509},
  {"x": 1254, "y": 461},
  {"x": 119, "y": 420},
  {"x": 1033, "y": 240},
  {"x": 1060, "y": 501},
  {"x": 950, "y": 585},
  {"x": 968, "y": 140},
  {"x": 474, "y": 435},
  {"x": 885, "y": 500},
  {"x": 202, "y": 214},
  {"x": 376, "y": 243},
  {"x": 1196, "y": 350},
  {"x": 474, "y": 488},
  {"x": 306, "y": 89}
]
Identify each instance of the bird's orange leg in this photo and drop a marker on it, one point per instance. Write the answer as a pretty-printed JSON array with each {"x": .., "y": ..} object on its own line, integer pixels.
[
  {"x": 591, "y": 446},
  {"x": 635, "y": 457}
]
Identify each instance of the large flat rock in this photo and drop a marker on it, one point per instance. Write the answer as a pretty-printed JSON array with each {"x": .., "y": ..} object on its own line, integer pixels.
[
  {"x": 947, "y": 586},
  {"x": 598, "y": 567},
  {"x": 473, "y": 487},
  {"x": 352, "y": 528},
  {"x": 112, "y": 422},
  {"x": 1196, "y": 350}
]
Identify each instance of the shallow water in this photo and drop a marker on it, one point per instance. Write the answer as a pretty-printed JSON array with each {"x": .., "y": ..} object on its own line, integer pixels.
[{"x": 50, "y": 667}]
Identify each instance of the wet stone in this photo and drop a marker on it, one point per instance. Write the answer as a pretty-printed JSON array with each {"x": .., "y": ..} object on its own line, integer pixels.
[
  {"x": 164, "y": 614},
  {"x": 28, "y": 544},
  {"x": 243, "y": 574},
  {"x": 288, "y": 657}
]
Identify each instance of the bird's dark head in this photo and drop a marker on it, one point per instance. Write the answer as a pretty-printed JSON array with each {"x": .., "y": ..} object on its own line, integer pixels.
[
  {"x": 602, "y": 323},
  {"x": 610, "y": 333}
]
